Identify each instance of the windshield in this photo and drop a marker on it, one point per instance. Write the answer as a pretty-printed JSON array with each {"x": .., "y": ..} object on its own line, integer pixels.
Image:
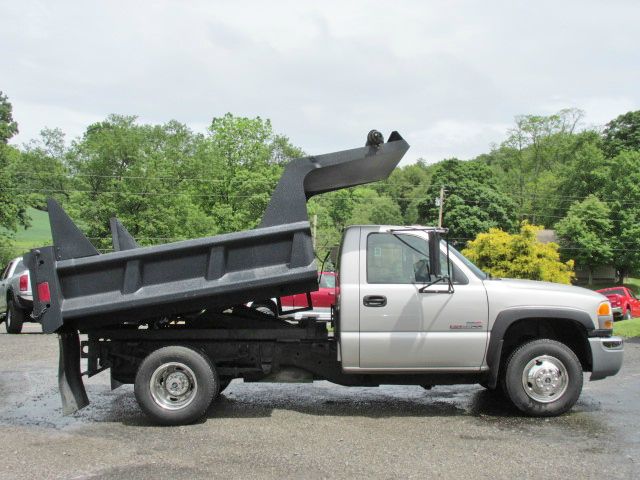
[
  {"x": 613, "y": 291},
  {"x": 478, "y": 273}
]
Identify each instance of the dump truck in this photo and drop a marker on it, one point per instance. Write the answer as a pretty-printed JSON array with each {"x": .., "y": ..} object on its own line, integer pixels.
[{"x": 410, "y": 309}]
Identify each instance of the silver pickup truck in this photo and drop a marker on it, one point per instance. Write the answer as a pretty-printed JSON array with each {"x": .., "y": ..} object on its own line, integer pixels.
[{"x": 16, "y": 300}]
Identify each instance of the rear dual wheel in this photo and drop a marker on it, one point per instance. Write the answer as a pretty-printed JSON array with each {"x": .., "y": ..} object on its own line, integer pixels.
[
  {"x": 15, "y": 316},
  {"x": 175, "y": 385},
  {"x": 543, "y": 378}
]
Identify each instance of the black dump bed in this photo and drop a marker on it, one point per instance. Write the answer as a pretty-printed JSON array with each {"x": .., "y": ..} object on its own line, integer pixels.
[{"x": 77, "y": 288}]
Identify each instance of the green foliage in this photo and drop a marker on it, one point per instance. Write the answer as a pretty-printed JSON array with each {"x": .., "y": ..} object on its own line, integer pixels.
[
  {"x": 585, "y": 233},
  {"x": 406, "y": 187},
  {"x": 622, "y": 133},
  {"x": 41, "y": 170},
  {"x": 622, "y": 189},
  {"x": 627, "y": 328},
  {"x": 8, "y": 126},
  {"x": 474, "y": 203},
  {"x": 166, "y": 183},
  {"x": 13, "y": 205},
  {"x": 519, "y": 255}
]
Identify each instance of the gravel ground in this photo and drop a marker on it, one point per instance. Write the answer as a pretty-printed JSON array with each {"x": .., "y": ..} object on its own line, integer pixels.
[{"x": 309, "y": 431}]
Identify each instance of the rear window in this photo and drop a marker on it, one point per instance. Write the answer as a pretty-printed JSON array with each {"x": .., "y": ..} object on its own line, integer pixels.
[
  {"x": 19, "y": 267},
  {"x": 615, "y": 291}
]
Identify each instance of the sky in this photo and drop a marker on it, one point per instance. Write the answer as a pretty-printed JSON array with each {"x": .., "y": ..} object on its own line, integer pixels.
[{"x": 450, "y": 76}]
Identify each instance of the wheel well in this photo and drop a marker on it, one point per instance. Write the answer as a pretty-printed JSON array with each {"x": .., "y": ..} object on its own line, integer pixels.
[{"x": 566, "y": 331}]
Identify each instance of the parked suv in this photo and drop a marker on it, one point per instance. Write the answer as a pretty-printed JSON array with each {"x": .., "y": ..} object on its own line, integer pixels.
[{"x": 16, "y": 301}]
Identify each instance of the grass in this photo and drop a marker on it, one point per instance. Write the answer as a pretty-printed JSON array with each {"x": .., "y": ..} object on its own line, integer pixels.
[
  {"x": 627, "y": 328},
  {"x": 37, "y": 235}
]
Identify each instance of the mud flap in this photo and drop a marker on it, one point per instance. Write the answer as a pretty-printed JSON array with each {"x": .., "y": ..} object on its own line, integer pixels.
[{"x": 72, "y": 392}]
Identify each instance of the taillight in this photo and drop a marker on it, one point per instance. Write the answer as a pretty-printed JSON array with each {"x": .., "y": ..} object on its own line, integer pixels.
[
  {"x": 24, "y": 282},
  {"x": 44, "y": 295}
]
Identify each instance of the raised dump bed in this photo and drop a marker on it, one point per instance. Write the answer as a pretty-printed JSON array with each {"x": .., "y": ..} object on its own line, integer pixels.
[{"x": 76, "y": 288}]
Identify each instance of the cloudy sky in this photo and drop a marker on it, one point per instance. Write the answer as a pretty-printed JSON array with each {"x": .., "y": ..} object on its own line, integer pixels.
[{"x": 449, "y": 75}]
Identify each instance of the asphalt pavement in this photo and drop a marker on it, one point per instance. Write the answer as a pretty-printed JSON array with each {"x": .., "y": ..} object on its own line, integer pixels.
[{"x": 309, "y": 431}]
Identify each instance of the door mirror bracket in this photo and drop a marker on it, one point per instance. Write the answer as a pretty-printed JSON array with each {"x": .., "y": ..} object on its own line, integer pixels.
[{"x": 446, "y": 279}]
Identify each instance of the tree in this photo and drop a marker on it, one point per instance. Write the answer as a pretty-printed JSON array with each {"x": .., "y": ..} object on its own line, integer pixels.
[
  {"x": 405, "y": 186},
  {"x": 622, "y": 133},
  {"x": 166, "y": 183},
  {"x": 519, "y": 255},
  {"x": 474, "y": 201},
  {"x": 585, "y": 233},
  {"x": 42, "y": 170},
  {"x": 372, "y": 208},
  {"x": 136, "y": 172},
  {"x": 13, "y": 206},
  {"x": 622, "y": 193},
  {"x": 530, "y": 162}
]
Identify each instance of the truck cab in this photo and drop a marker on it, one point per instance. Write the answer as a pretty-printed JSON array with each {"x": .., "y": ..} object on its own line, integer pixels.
[{"x": 409, "y": 303}]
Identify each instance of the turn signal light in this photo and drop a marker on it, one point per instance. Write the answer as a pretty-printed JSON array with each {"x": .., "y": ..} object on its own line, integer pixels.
[
  {"x": 604, "y": 309},
  {"x": 608, "y": 324}
]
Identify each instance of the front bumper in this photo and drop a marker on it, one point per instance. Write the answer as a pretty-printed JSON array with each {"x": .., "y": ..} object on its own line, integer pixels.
[
  {"x": 616, "y": 311},
  {"x": 606, "y": 356}
]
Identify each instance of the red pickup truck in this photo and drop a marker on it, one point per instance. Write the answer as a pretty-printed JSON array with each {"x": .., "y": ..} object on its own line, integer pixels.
[
  {"x": 322, "y": 300},
  {"x": 624, "y": 303}
]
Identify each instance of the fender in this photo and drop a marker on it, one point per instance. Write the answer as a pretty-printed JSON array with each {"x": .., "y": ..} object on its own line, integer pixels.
[{"x": 506, "y": 318}]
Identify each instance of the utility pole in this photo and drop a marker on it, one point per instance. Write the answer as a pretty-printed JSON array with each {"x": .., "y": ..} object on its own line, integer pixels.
[{"x": 440, "y": 203}]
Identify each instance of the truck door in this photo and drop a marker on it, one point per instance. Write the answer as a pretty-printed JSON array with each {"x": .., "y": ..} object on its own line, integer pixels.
[{"x": 404, "y": 329}]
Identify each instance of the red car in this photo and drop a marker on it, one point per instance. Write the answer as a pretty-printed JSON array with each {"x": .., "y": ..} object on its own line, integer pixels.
[
  {"x": 624, "y": 303},
  {"x": 322, "y": 300}
]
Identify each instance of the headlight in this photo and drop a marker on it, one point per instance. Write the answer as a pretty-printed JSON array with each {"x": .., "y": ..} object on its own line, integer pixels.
[{"x": 604, "y": 308}]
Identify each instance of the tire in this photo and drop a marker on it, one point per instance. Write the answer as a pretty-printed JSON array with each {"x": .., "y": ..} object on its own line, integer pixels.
[
  {"x": 15, "y": 317},
  {"x": 627, "y": 315},
  {"x": 194, "y": 380},
  {"x": 265, "y": 307},
  {"x": 553, "y": 383}
]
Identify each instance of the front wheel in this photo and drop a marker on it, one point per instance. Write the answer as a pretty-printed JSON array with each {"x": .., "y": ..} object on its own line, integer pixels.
[
  {"x": 627, "y": 315},
  {"x": 15, "y": 317},
  {"x": 543, "y": 378},
  {"x": 175, "y": 385}
]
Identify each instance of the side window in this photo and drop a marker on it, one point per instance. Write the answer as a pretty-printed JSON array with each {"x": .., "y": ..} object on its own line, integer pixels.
[
  {"x": 5, "y": 272},
  {"x": 404, "y": 259},
  {"x": 397, "y": 258}
]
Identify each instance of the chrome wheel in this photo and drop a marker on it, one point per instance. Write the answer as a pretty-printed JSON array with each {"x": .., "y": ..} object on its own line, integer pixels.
[
  {"x": 173, "y": 386},
  {"x": 545, "y": 379}
]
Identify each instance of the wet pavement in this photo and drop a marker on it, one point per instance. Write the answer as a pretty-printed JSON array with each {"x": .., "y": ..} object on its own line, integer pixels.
[{"x": 317, "y": 430}]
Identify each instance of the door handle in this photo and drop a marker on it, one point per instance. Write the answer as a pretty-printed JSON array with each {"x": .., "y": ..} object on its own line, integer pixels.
[{"x": 374, "y": 301}]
